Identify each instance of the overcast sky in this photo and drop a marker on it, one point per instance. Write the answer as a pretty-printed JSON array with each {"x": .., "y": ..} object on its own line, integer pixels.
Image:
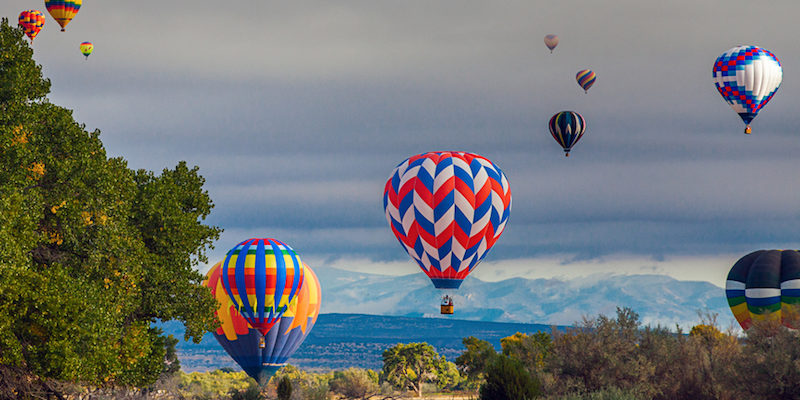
[{"x": 297, "y": 112}]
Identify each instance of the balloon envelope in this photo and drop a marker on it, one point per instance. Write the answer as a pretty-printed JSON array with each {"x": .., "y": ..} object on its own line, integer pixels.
[
  {"x": 747, "y": 77},
  {"x": 63, "y": 10},
  {"x": 765, "y": 284},
  {"x": 447, "y": 209},
  {"x": 551, "y": 41},
  {"x": 585, "y": 78},
  {"x": 31, "y": 22},
  {"x": 242, "y": 342},
  {"x": 87, "y": 48},
  {"x": 262, "y": 277},
  {"x": 567, "y": 128}
]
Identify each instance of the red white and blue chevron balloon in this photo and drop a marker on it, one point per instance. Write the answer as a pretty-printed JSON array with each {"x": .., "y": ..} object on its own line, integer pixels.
[{"x": 447, "y": 209}]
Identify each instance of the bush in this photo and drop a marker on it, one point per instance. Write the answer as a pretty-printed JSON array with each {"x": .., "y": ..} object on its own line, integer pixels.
[
  {"x": 284, "y": 389},
  {"x": 355, "y": 383},
  {"x": 507, "y": 379}
]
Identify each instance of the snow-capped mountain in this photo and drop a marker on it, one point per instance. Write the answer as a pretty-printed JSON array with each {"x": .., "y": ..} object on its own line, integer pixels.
[{"x": 658, "y": 299}]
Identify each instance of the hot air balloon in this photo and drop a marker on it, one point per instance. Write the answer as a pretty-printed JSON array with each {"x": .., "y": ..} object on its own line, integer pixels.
[
  {"x": 765, "y": 284},
  {"x": 87, "y": 48},
  {"x": 262, "y": 277},
  {"x": 567, "y": 128},
  {"x": 585, "y": 78},
  {"x": 31, "y": 22},
  {"x": 447, "y": 209},
  {"x": 551, "y": 41},
  {"x": 63, "y": 10},
  {"x": 260, "y": 356},
  {"x": 747, "y": 77}
]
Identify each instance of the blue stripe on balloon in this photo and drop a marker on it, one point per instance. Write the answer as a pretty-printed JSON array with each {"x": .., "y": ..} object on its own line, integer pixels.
[
  {"x": 463, "y": 222},
  {"x": 444, "y": 205},
  {"x": 260, "y": 280},
  {"x": 790, "y": 292},
  {"x": 241, "y": 286},
  {"x": 423, "y": 223},
  {"x": 225, "y": 281},
  {"x": 280, "y": 278},
  {"x": 399, "y": 226},
  {"x": 763, "y": 301},
  {"x": 296, "y": 282},
  {"x": 465, "y": 177},
  {"x": 445, "y": 248},
  {"x": 730, "y": 293},
  {"x": 405, "y": 203},
  {"x": 425, "y": 179},
  {"x": 455, "y": 262}
]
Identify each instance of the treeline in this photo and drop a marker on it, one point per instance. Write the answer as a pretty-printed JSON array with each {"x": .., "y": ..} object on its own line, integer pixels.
[{"x": 600, "y": 358}]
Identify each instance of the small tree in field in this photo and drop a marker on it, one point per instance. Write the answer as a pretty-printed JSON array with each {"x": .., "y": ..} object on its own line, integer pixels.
[
  {"x": 355, "y": 383},
  {"x": 408, "y": 366},
  {"x": 507, "y": 379}
]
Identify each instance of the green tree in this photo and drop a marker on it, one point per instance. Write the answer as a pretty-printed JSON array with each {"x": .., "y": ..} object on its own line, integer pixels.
[
  {"x": 507, "y": 379},
  {"x": 408, "y": 366},
  {"x": 473, "y": 361},
  {"x": 91, "y": 252},
  {"x": 531, "y": 350}
]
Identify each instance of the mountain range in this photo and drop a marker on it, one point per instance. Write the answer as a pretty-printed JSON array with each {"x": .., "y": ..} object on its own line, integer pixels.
[{"x": 658, "y": 299}]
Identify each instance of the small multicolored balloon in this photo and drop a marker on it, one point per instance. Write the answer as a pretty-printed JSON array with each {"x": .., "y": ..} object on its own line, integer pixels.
[
  {"x": 447, "y": 209},
  {"x": 31, "y": 22},
  {"x": 63, "y": 10},
  {"x": 747, "y": 77},
  {"x": 551, "y": 41},
  {"x": 87, "y": 48},
  {"x": 262, "y": 277},
  {"x": 765, "y": 285},
  {"x": 567, "y": 128},
  {"x": 585, "y": 78}
]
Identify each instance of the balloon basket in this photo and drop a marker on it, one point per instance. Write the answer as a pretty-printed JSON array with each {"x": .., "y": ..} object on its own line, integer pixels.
[
  {"x": 446, "y": 305},
  {"x": 747, "y": 130}
]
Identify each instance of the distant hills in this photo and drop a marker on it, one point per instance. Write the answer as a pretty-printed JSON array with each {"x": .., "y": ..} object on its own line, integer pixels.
[
  {"x": 405, "y": 309},
  {"x": 659, "y": 299}
]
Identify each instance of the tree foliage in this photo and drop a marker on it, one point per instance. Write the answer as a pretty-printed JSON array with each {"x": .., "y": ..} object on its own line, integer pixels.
[
  {"x": 91, "y": 252},
  {"x": 507, "y": 379},
  {"x": 409, "y": 366},
  {"x": 474, "y": 360},
  {"x": 355, "y": 383}
]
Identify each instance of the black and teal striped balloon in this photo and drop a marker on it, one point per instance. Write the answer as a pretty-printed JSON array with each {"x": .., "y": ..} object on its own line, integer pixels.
[
  {"x": 765, "y": 284},
  {"x": 567, "y": 127}
]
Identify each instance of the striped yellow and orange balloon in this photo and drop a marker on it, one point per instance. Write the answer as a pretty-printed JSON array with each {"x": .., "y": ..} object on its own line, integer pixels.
[
  {"x": 63, "y": 10},
  {"x": 31, "y": 22}
]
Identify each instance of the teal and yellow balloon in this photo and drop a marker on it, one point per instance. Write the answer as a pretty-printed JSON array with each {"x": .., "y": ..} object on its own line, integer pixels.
[
  {"x": 87, "y": 48},
  {"x": 765, "y": 285}
]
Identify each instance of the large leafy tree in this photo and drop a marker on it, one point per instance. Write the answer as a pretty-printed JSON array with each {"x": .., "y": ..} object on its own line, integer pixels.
[
  {"x": 408, "y": 366},
  {"x": 91, "y": 252}
]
